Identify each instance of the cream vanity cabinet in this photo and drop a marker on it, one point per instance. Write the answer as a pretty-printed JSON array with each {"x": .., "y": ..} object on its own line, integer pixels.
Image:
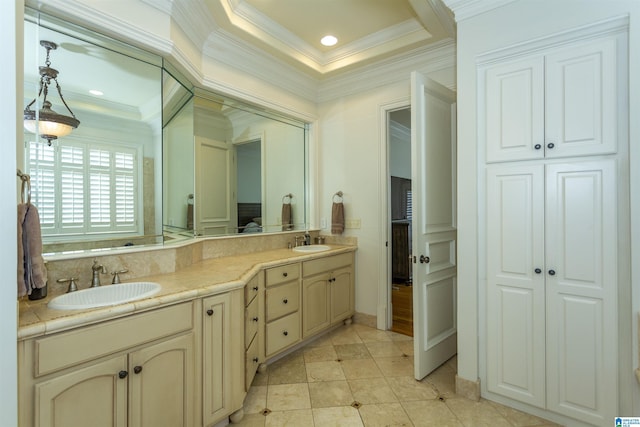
[
  {"x": 327, "y": 292},
  {"x": 553, "y": 226},
  {"x": 133, "y": 371},
  {"x": 559, "y": 104},
  {"x": 282, "y": 303},
  {"x": 222, "y": 349}
]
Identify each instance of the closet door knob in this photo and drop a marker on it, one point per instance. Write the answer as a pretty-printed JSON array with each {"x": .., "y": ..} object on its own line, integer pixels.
[
  {"x": 551, "y": 145},
  {"x": 537, "y": 146},
  {"x": 538, "y": 271},
  {"x": 424, "y": 259},
  {"x": 552, "y": 272}
]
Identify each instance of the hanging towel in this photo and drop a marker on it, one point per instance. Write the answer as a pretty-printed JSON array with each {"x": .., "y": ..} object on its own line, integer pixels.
[
  {"x": 337, "y": 218},
  {"x": 32, "y": 274},
  {"x": 286, "y": 217}
]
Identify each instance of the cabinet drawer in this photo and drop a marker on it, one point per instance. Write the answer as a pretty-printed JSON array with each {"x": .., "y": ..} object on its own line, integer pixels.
[
  {"x": 71, "y": 348},
  {"x": 282, "y": 274},
  {"x": 250, "y": 322},
  {"x": 309, "y": 268},
  {"x": 252, "y": 360},
  {"x": 283, "y": 333},
  {"x": 251, "y": 289},
  {"x": 282, "y": 300}
]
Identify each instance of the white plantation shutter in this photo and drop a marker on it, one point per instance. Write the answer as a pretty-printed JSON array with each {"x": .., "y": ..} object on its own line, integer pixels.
[{"x": 82, "y": 188}]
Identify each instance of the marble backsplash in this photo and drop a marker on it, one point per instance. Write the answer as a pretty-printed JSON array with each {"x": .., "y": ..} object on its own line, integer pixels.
[{"x": 169, "y": 258}]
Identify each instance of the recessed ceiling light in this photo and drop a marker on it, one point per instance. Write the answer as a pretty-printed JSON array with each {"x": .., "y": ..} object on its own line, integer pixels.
[
  {"x": 328, "y": 40},
  {"x": 96, "y": 92}
]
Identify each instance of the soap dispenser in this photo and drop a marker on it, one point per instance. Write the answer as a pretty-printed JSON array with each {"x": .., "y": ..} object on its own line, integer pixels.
[{"x": 307, "y": 238}]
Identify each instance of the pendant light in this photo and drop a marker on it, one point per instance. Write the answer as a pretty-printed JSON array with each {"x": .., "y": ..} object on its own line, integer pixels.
[{"x": 50, "y": 125}]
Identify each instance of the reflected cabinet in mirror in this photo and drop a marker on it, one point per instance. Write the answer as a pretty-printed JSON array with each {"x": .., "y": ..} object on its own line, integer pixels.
[{"x": 153, "y": 160}]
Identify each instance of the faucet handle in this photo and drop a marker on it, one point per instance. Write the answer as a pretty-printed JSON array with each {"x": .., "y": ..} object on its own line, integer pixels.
[
  {"x": 116, "y": 277},
  {"x": 98, "y": 267},
  {"x": 72, "y": 283}
]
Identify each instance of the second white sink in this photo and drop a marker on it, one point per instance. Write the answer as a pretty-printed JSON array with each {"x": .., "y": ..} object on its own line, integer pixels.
[
  {"x": 104, "y": 296},
  {"x": 311, "y": 248}
]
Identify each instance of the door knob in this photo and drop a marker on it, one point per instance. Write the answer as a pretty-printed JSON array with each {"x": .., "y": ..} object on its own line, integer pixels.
[{"x": 424, "y": 259}]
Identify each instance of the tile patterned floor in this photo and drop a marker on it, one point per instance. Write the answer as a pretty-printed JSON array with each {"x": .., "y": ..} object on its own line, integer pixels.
[{"x": 360, "y": 376}]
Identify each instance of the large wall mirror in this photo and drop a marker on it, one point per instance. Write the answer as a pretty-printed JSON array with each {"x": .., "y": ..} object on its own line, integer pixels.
[{"x": 153, "y": 160}]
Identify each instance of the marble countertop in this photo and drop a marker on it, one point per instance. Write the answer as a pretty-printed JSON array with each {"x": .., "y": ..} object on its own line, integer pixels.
[{"x": 207, "y": 277}]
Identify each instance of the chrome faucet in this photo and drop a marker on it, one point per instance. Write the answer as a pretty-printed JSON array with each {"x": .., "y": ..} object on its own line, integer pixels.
[
  {"x": 97, "y": 269},
  {"x": 300, "y": 239}
]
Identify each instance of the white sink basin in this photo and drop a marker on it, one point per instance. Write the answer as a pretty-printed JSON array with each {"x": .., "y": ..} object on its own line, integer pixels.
[
  {"x": 311, "y": 248},
  {"x": 104, "y": 296}
]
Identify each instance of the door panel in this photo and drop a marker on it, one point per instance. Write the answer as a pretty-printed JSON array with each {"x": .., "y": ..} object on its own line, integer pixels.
[
  {"x": 515, "y": 291},
  {"x": 581, "y": 238},
  {"x": 432, "y": 158}
]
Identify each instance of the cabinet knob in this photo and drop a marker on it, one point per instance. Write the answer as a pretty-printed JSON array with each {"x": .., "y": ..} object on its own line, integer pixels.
[
  {"x": 552, "y": 272},
  {"x": 137, "y": 369},
  {"x": 285, "y": 301},
  {"x": 537, "y": 146},
  {"x": 538, "y": 271},
  {"x": 285, "y": 333},
  {"x": 255, "y": 288},
  {"x": 210, "y": 312},
  {"x": 123, "y": 374},
  {"x": 255, "y": 319},
  {"x": 256, "y": 360},
  {"x": 285, "y": 274},
  {"x": 551, "y": 145}
]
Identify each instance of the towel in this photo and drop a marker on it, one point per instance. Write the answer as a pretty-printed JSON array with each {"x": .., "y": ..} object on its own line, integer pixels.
[
  {"x": 286, "y": 217},
  {"x": 337, "y": 218},
  {"x": 32, "y": 274}
]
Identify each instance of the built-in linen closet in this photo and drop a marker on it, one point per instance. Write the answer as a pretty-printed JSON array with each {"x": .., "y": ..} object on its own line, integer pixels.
[{"x": 552, "y": 131}]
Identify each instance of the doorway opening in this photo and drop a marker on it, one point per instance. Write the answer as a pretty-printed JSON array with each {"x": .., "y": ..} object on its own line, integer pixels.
[{"x": 400, "y": 208}]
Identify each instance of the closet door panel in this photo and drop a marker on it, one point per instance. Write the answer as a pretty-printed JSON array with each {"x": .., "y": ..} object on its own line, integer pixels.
[
  {"x": 515, "y": 280},
  {"x": 581, "y": 252},
  {"x": 514, "y": 96},
  {"x": 581, "y": 97}
]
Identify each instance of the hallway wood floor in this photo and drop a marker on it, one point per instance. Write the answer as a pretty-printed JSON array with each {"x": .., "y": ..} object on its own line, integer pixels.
[{"x": 402, "y": 309}]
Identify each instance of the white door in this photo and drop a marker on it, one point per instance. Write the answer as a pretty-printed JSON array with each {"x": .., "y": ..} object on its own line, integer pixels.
[
  {"x": 433, "y": 232},
  {"x": 216, "y": 208},
  {"x": 581, "y": 241},
  {"x": 515, "y": 282}
]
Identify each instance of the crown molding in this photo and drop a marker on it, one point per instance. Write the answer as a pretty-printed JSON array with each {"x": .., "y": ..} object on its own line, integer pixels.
[
  {"x": 438, "y": 56},
  {"x": 465, "y": 9},
  {"x": 86, "y": 16},
  {"x": 193, "y": 18}
]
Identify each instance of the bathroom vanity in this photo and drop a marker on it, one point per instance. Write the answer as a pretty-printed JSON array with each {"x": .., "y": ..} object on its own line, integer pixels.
[{"x": 188, "y": 355}]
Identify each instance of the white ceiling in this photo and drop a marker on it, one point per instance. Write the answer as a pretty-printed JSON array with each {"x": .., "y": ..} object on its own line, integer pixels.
[{"x": 367, "y": 30}]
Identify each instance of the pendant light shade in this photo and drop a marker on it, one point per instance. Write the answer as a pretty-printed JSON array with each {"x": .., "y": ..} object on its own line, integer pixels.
[{"x": 49, "y": 124}]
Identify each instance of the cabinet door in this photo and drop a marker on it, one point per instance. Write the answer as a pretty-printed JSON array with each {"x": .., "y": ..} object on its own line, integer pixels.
[
  {"x": 216, "y": 357},
  {"x": 581, "y": 99},
  {"x": 91, "y": 396},
  {"x": 342, "y": 294},
  {"x": 514, "y": 96},
  {"x": 581, "y": 240},
  {"x": 515, "y": 283},
  {"x": 315, "y": 304},
  {"x": 161, "y": 380}
]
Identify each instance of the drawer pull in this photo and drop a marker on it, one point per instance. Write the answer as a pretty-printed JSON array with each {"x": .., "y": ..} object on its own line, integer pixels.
[
  {"x": 285, "y": 333},
  {"x": 210, "y": 312},
  {"x": 285, "y": 274},
  {"x": 255, "y": 319},
  {"x": 285, "y": 301},
  {"x": 137, "y": 369},
  {"x": 123, "y": 374}
]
